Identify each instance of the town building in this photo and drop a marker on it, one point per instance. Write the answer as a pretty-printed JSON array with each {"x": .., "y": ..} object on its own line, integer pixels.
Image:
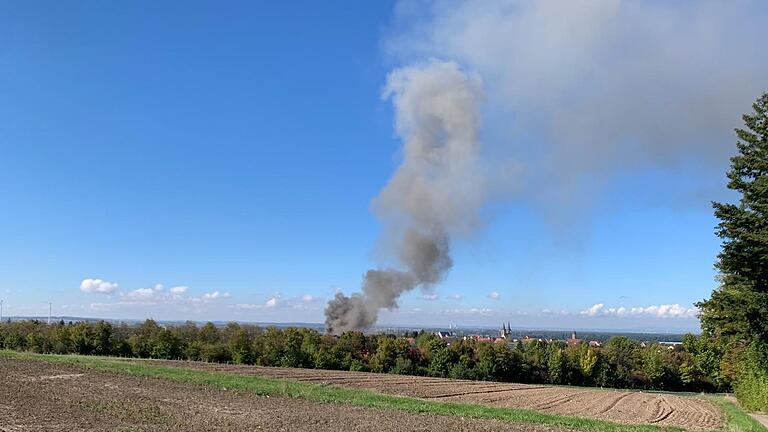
[{"x": 573, "y": 340}]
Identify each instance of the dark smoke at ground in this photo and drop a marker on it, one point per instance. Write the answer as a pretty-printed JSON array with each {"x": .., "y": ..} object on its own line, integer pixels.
[{"x": 437, "y": 191}]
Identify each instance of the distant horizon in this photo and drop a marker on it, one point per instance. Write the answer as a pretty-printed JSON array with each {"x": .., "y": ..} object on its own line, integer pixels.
[{"x": 378, "y": 326}]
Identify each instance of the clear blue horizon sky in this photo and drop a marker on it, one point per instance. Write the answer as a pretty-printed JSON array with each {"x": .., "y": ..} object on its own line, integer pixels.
[{"x": 202, "y": 160}]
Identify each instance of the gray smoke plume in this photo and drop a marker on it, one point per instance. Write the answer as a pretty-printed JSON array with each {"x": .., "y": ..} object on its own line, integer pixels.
[
  {"x": 594, "y": 90},
  {"x": 436, "y": 192}
]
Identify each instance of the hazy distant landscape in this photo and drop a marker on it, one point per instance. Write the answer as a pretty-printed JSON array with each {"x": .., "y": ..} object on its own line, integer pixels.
[{"x": 559, "y": 334}]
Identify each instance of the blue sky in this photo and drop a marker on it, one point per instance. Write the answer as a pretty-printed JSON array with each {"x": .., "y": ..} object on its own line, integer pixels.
[{"x": 232, "y": 152}]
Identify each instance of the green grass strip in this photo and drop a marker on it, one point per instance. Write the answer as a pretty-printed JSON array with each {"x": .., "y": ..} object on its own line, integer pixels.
[{"x": 737, "y": 420}]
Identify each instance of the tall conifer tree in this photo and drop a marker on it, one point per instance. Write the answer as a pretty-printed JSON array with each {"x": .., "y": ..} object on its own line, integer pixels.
[{"x": 738, "y": 308}]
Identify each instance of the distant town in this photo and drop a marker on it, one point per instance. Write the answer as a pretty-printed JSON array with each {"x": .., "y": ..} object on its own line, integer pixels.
[
  {"x": 452, "y": 333},
  {"x": 506, "y": 335}
]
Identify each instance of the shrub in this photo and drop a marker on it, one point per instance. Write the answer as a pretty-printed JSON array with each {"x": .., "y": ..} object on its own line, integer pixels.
[{"x": 751, "y": 387}]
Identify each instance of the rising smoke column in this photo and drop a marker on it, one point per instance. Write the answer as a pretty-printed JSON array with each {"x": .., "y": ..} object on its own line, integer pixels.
[{"x": 436, "y": 192}]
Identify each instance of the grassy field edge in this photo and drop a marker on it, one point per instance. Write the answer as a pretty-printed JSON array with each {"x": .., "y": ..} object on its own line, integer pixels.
[{"x": 736, "y": 420}]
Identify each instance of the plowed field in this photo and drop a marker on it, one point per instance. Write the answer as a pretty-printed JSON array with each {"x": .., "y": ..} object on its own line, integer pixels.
[
  {"x": 629, "y": 407},
  {"x": 38, "y": 396}
]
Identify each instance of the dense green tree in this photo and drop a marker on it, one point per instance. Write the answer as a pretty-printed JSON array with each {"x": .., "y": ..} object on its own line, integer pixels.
[
  {"x": 739, "y": 306},
  {"x": 325, "y": 357},
  {"x": 36, "y": 342},
  {"x": 311, "y": 343},
  {"x": 441, "y": 358},
  {"x": 572, "y": 355},
  {"x": 704, "y": 362},
  {"x": 141, "y": 340},
  {"x": 587, "y": 363},
  {"x": 752, "y": 386},
  {"x": 241, "y": 347},
  {"x": 403, "y": 366},
  {"x": 555, "y": 363},
  {"x": 62, "y": 340},
  {"x": 389, "y": 349},
  {"x": 164, "y": 345},
  {"x": 653, "y": 366},
  {"x": 14, "y": 341},
  {"x": 187, "y": 332},
  {"x": 495, "y": 362},
  {"x": 215, "y": 353},
  {"x": 535, "y": 366},
  {"x": 353, "y": 347},
  {"x": 194, "y": 351},
  {"x": 273, "y": 347},
  {"x": 358, "y": 366},
  {"x": 735, "y": 315},
  {"x": 83, "y": 338},
  {"x": 621, "y": 353},
  {"x": 102, "y": 339},
  {"x": 209, "y": 334},
  {"x": 293, "y": 354}
]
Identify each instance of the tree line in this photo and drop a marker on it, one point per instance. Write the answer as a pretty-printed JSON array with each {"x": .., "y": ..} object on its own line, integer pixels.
[{"x": 696, "y": 365}]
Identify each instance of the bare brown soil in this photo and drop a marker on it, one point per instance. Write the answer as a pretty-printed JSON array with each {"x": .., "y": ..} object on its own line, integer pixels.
[
  {"x": 629, "y": 407},
  {"x": 37, "y": 396}
]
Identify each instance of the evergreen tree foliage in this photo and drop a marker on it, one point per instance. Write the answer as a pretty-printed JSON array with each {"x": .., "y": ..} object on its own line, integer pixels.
[
  {"x": 736, "y": 316},
  {"x": 738, "y": 309}
]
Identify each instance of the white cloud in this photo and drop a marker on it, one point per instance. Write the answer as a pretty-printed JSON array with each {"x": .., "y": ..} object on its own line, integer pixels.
[
  {"x": 660, "y": 311},
  {"x": 494, "y": 296},
  {"x": 102, "y": 306},
  {"x": 273, "y": 302},
  {"x": 146, "y": 294},
  {"x": 550, "y": 312},
  {"x": 143, "y": 294},
  {"x": 304, "y": 302},
  {"x": 159, "y": 299},
  {"x": 179, "y": 290},
  {"x": 430, "y": 296},
  {"x": 98, "y": 286},
  {"x": 209, "y": 297},
  {"x": 214, "y": 295},
  {"x": 247, "y": 306},
  {"x": 470, "y": 311},
  {"x": 455, "y": 296},
  {"x": 158, "y": 295},
  {"x": 596, "y": 309}
]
